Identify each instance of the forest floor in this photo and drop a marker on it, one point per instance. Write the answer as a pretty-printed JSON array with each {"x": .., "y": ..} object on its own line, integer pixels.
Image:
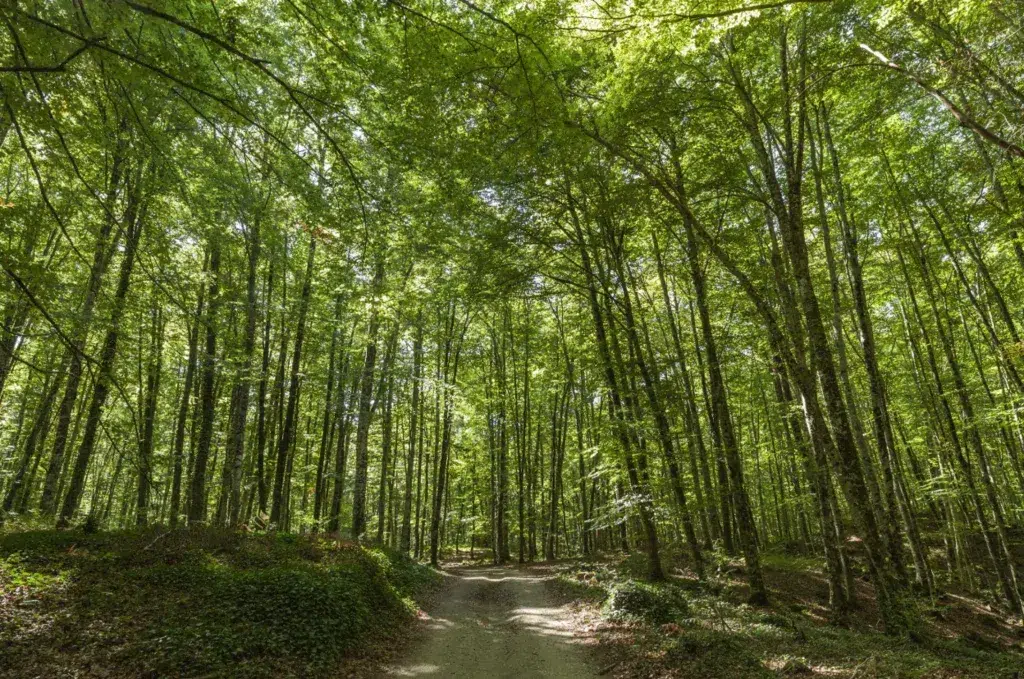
[
  {"x": 208, "y": 603},
  {"x": 199, "y": 603},
  {"x": 683, "y": 629},
  {"x": 497, "y": 623},
  {"x": 599, "y": 618}
]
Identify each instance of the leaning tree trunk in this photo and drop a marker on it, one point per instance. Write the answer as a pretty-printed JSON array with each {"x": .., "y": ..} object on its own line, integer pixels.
[
  {"x": 36, "y": 436},
  {"x": 101, "y": 259},
  {"x": 709, "y": 511},
  {"x": 651, "y": 389},
  {"x": 786, "y": 200},
  {"x": 747, "y": 532},
  {"x": 134, "y": 217},
  {"x": 616, "y": 407}
]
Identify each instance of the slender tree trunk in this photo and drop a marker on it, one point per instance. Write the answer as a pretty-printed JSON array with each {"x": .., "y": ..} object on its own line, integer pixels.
[
  {"x": 365, "y": 414},
  {"x": 36, "y": 437},
  {"x": 452, "y": 350},
  {"x": 345, "y": 396},
  {"x": 999, "y": 553},
  {"x": 524, "y": 446},
  {"x": 261, "y": 406},
  {"x": 410, "y": 460},
  {"x": 134, "y": 219},
  {"x": 142, "y": 499},
  {"x": 182, "y": 418},
  {"x": 616, "y": 409},
  {"x": 386, "y": 435},
  {"x": 708, "y": 512},
  {"x": 100, "y": 261},
  {"x": 787, "y": 204},
  {"x": 329, "y": 420},
  {"x": 207, "y": 394},
  {"x": 651, "y": 389},
  {"x": 279, "y": 509},
  {"x": 723, "y": 417}
]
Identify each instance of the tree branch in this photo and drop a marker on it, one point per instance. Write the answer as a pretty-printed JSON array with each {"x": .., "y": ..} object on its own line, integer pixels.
[
  {"x": 48, "y": 69},
  {"x": 958, "y": 113}
]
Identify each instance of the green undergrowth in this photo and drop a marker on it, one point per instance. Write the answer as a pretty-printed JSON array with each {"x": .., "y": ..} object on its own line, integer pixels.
[
  {"x": 707, "y": 630},
  {"x": 195, "y": 603},
  {"x": 657, "y": 604}
]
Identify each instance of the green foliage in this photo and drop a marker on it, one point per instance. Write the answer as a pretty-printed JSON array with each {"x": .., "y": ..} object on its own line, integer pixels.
[
  {"x": 405, "y": 574},
  {"x": 653, "y": 603},
  {"x": 636, "y": 565},
  {"x": 306, "y": 613},
  {"x": 202, "y": 602},
  {"x": 15, "y": 573},
  {"x": 711, "y": 653},
  {"x": 581, "y": 585},
  {"x": 716, "y": 637},
  {"x": 491, "y": 178}
]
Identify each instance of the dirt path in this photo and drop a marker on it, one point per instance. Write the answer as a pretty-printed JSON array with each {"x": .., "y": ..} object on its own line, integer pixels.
[{"x": 494, "y": 623}]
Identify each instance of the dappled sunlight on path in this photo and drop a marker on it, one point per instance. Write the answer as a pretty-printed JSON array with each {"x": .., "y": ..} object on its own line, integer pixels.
[{"x": 495, "y": 622}]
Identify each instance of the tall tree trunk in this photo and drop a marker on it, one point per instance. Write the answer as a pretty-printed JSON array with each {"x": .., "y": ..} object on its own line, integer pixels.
[
  {"x": 999, "y": 553},
  {"x": 410, "y": 460},
  {"x": 207, "y": 395},
  {"x": 709, "y": 511},
  {"x": 329, "y": 420},
  {"x": 345, "y": 396},
  {"x": 723, "y": 418},
  {"x": 101, "y": 259},
  {"x": 365, "y": 412},
  {"x": 135, "y": 216},
  {"x": 279, "y": 509},
  {"x": 36, "y": 436},
  {"x": 651, "y": 389},
  {"x": 261, "y": 406},
  {"x": 787, "y": 204},
  {"x": 387, "y": 424},
  {"x": 524, "y": 446},
  {"x": 880, "y": 413},
  {"x": 616, "y": 407},
  {"x": 142, "y": 498},
  {"x": 182, "y": 418},
  {"x": 239, "y": 409},
  {"x": 452, "y": 351}
]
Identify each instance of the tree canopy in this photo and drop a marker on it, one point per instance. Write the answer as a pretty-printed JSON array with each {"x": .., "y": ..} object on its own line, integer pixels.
[{"x": 542, "y": 278}]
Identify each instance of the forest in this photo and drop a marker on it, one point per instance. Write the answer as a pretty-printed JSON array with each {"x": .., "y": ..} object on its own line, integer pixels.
[{"x": 719, "y": 293}]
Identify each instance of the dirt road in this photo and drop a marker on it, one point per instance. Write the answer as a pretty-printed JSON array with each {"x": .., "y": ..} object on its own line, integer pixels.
[{"x": 495, "y": 623}]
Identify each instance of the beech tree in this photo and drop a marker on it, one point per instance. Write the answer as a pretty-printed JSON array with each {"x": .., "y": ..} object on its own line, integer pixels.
[{"x": 699, "y": 280}]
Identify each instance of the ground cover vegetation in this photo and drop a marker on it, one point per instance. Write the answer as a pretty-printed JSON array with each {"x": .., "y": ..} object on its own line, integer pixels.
[{"x": 707, "y": 281}]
